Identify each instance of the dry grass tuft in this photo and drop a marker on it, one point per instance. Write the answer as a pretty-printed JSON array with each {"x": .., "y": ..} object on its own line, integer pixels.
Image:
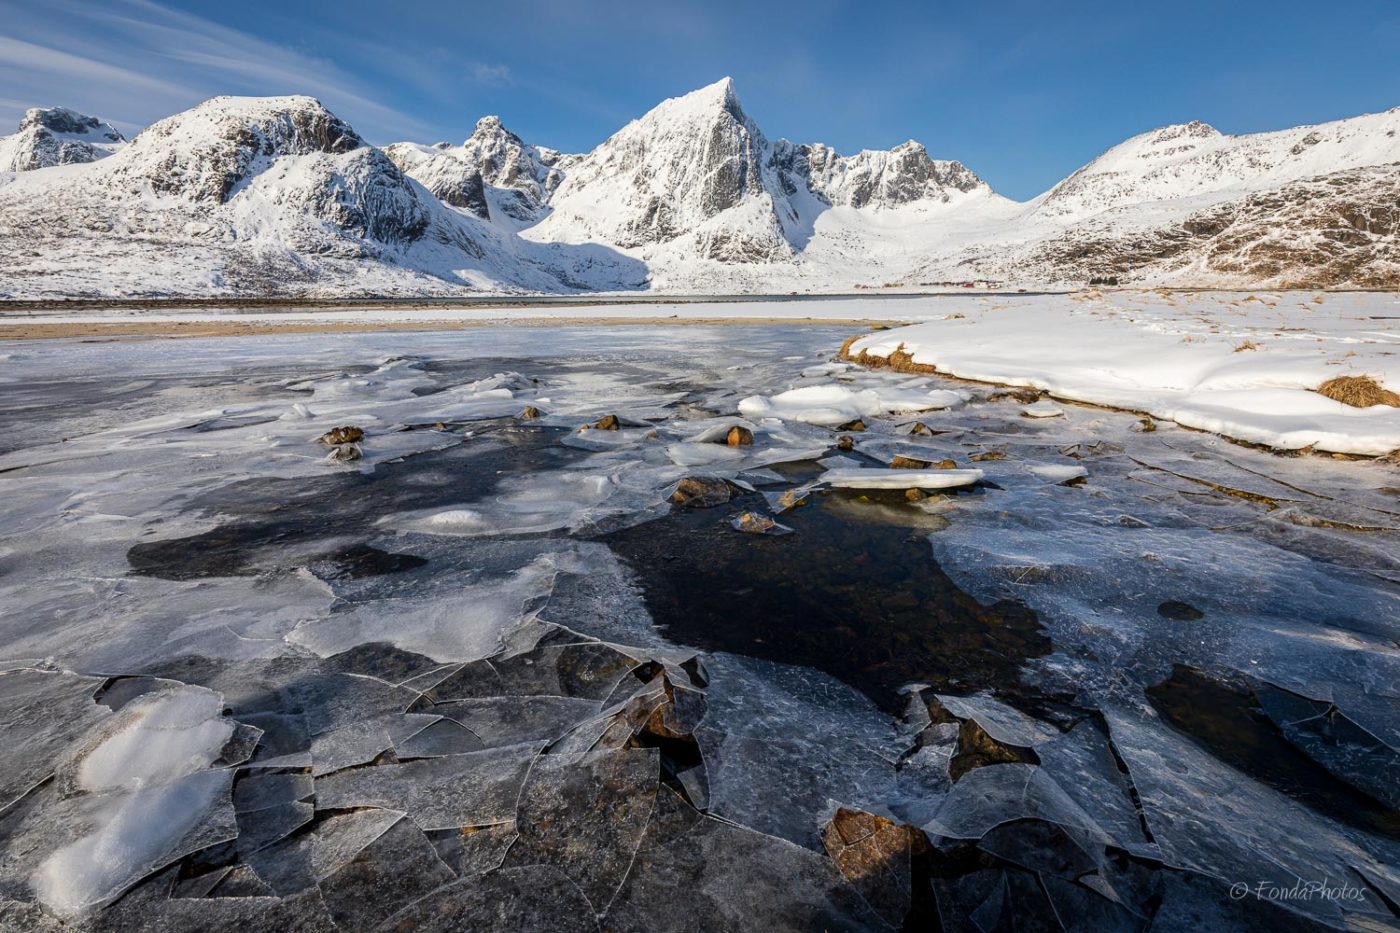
[
  {"x": 1358, "y": 392},
  {"x": 1247, "y": 345},
  {"x": 898, "y": 360}
]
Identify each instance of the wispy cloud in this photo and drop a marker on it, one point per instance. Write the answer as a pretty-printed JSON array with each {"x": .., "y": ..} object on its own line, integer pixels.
[
  {"x": 494, "y": 75},
  {"x": 83, "y": 54}
]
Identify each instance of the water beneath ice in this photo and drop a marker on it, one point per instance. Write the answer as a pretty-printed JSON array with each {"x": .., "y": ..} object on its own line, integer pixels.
[{"x": 490, "y": 676}]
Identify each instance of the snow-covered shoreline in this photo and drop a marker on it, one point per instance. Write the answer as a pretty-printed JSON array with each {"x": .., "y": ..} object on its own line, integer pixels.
[{"x": 1242, "y": 365}]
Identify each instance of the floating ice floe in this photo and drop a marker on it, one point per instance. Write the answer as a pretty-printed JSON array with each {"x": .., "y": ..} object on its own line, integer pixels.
[
  {"x": 831, "y": 405},
  {"x": 877, "y": 478},
  {"x": 1042, "y": 409}
]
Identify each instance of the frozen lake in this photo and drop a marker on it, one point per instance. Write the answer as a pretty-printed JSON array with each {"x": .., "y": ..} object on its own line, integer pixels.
[{"x": 489, "y": 675}]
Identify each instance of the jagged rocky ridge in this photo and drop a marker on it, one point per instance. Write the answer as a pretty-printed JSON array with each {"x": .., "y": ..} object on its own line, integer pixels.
[{"x": 279, "y": 196}]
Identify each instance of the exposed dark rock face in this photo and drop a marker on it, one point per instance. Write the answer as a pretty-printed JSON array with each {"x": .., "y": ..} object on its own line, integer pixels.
[{"x": 1341, "y": 229}]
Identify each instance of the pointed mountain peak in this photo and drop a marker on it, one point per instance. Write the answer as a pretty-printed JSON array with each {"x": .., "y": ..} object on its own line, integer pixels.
[
  {"x": 489, "y": 124},
  {"x": 702, "y": 104}
]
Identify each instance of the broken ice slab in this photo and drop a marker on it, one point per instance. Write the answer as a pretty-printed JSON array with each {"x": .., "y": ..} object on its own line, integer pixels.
[
  {"x": 473, "y": 789},
  {"x": 988, "y": 796},
  {"x": 1002, "y": 722},
  {"x": 440, "y": 737},
  {"x": 1058, "y": 473},
  {"x": 693, "y": 871},
  {"x": 1324, "y": 733},
  {"x": 599, "y": 802},
  {"x": 44, "y": 713},
  {"x": 392, "y": 871},
  {"x": 474, "y": 850},
  {"x": 509, "y": 720},
  {"x": 1205, "y": 816},
  {"x": 536, "y": 897},
  {"x": 307, "y": 858},
  {"x": 1042, "y": 409},
  {"x": 560, "y": 665},
  {"x": 876, "y": 478},
  {"x": 89, "y": 849}
]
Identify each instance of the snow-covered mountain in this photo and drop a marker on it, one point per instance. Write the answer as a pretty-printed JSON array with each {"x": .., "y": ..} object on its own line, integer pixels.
[
  {"x": 57, "y": 136},
  {"x": 264, "y": 196},
  {"x": 1196, "y": 161},
  {"x": 696, "y": 191},
  {"x": 279, "y": 196},
  {"x": 494, "y": 174}
]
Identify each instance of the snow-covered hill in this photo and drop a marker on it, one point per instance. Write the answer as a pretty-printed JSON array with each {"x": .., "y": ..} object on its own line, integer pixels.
[
  {"x": 279, "y": 196},
  {"x": 57, "y": 136}
]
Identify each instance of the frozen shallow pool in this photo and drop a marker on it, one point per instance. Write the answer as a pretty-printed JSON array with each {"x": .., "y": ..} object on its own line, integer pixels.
[{"x": 492, "y": 675}]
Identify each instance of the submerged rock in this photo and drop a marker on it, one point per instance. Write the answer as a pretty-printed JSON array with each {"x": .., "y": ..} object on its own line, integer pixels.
[
  {"x": 845, "y": 443},
  {"x": 874, "y": 855},
  {"x": 738, "y": 436},
  {"x": 530, "y": 413},
  {"x": 901, "y": 462},
  {"x": 987, "y": 455},
  {"x": 607, "y": 423},
  {"x": 702, "y": 492},
  {"x": 1179, "y": 611},
  {"x": 856, "y": 425},
  {"x": 755, "y": 524},
  {"x": 345, "y": 434}
]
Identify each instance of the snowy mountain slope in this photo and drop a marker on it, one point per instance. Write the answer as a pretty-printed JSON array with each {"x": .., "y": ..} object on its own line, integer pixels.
[
  {"x": 1341, "y": 228},
  {"x": 493, "y": 174},
  {"x": 1194, "y": 160},
  {"x": 269, "y": 196},
  {"x": 49, "y": 136},
  {"x": 279, "y": 196}
]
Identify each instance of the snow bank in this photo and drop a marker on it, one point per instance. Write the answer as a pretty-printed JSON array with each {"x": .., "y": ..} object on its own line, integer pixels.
[{"x": 1242, "y": 367}]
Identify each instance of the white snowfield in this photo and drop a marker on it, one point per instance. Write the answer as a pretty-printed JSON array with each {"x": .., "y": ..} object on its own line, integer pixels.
[{"x": 1245, "y": 366}]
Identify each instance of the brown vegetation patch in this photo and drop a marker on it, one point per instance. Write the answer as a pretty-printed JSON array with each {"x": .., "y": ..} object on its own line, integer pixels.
[
  {"x": 898, "y": 360},
  {"x": 1358, "y": 392}
]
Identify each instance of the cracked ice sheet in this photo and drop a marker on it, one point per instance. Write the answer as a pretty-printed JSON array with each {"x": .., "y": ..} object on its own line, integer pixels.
[
  {"x": 625, "y": 477},
  {"x": 1208, "y": 817},
  {"x": 772, "y": 726},
  {"x": 1269, "y": 612},
  {"x": 462, "y": 617}
]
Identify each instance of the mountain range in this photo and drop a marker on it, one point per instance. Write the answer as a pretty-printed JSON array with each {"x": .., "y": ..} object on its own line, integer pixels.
[{"x": 279, "y": 197}]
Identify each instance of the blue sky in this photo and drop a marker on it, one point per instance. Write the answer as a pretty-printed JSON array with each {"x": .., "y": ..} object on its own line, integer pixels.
[{"x": 1022, "y": 92}]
